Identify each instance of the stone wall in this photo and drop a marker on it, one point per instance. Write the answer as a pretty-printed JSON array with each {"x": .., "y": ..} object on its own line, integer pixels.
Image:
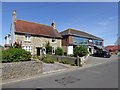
[
  {"x": 21, "y": 69},
  {"x": 37, "y": 41},
  {"x": 72, "y": 60},
  {"x": 58, "y": 58}
]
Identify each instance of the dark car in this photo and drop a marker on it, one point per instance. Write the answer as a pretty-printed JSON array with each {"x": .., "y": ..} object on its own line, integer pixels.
[{"x": 102, "y": 53}]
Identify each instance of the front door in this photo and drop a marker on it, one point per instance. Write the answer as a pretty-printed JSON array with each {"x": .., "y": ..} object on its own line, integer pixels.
[{"x": 38, "y": 51}]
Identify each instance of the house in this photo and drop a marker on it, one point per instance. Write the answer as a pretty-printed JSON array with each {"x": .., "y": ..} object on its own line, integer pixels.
[
  {"x": 33, "y": 36},
  {"x": 73, "y": 38},
  {"x": 113, "y": 48}
]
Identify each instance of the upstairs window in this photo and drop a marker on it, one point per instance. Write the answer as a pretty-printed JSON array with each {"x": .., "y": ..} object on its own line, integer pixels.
[
  {"x": 53, "y": 40},
  {"x": 27, "y": 37}
]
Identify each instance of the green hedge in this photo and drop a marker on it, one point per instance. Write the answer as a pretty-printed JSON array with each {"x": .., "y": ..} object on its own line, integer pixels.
[
  {"x": 59, "y": 51},
  {"x": 15, "y": 55},
  {"x": 48, "y": 60},
  {"x": 80, "y": 51},
  {"x": 64, "y": 62}
]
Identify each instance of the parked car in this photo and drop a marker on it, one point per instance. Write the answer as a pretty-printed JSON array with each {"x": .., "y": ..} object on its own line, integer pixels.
[{"x": 102, "y": 53}]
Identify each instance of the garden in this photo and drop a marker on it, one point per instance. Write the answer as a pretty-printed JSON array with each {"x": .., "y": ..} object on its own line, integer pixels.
[{"x": 16, "y": 54}]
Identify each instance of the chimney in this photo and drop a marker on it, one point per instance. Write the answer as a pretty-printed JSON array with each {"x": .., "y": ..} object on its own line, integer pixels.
[
  {"x": 14, "y": 15},
  {"x": 53, "y": 25}
]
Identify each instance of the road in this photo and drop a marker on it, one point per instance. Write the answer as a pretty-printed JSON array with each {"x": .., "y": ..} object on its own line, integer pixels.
[{"x": 99, "y": 76}]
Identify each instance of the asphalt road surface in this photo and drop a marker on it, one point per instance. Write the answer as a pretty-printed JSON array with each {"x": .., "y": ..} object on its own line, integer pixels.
[{"x": 101, "y": 76}]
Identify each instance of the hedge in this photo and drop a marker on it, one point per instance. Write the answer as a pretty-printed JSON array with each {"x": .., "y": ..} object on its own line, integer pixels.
[
  {"x": 59, "y": 51},
  {"x": 15, "y": 55},
  {"x": 80, "y": 51}
]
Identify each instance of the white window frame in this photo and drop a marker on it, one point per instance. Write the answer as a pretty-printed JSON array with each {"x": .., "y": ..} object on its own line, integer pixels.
[
  {"x": 27, "y": 37},
  {"x": 27, "y": 48}
]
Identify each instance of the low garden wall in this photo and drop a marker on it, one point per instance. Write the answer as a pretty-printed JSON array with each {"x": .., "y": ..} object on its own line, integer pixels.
[
  {"x": 72, "y": 60},
  {"x": 21, "y": 69}
]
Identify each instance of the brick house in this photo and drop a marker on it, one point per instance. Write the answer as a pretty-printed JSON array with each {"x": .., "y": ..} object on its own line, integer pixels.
[
  {"x": 33, "y": 36},
  {"x": 113, "y": 48},
  {"x": 73, "y": 38}
]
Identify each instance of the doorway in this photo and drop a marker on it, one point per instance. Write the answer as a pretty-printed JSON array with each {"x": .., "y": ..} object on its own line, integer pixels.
[{"x": 38, "y": 51}]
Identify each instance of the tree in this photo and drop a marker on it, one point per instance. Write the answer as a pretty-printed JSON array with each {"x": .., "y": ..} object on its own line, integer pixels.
[
  {"x": 59, "y": 51},
  {"x": 48, "y": 48},
  {"x": 80, "y": 51}
]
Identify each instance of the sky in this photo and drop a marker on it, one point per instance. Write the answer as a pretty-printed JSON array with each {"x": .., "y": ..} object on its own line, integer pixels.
[{"x": 97, "y": 18}]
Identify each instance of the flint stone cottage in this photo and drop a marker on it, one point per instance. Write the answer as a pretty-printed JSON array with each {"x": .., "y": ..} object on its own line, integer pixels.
[
  {"x": 33, "y": 36},
  {"x": 72, "y": 38}
]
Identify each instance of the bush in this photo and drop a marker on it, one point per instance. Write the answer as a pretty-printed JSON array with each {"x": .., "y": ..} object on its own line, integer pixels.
[
  {"x": 41, "y": 57},
  {"x": 34, "y": 57},
  {"x": 48, "y": 48},
  {"x": 59, "y": 51},
  {"x": 65, "y": 53},
  {"x": 64, "y": 62},
  {"x": 71, "y": 55},
  {"x": 72, "y": 64},
  {"x": 15, "y": 55},
  {"x": 48, "y": 60},
  {"x": 80, "y": 51}
]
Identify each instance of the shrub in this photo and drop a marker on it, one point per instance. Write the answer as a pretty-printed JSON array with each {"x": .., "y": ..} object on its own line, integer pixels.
[
  {"x": 64, "y": 61},
  {"x": 41, "y": 57},
  {"x": 71, "y": 55},
  {"x": 80, "y": 51},
  {"x": 59, "y": 51},
  {"x": 15, "y": 55},
  {"x": 34, "y": 57},
  {"x": 65, "y": 53},
  {"x": 48, "y": 60},
  {"x": 72, "y": 64},
  {"x": 48, "y": 48}
]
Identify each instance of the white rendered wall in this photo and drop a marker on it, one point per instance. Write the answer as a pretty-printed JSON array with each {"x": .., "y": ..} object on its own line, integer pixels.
[{"x": 70, "y": 50}]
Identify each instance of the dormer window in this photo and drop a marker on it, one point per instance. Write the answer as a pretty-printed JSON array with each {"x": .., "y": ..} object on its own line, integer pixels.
[{"x": 27, "y": 37}]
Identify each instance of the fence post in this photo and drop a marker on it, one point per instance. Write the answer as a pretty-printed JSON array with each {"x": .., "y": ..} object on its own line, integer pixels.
[
  {"x": 77, "y": 60},
  {"x": 80, "y": 62}
]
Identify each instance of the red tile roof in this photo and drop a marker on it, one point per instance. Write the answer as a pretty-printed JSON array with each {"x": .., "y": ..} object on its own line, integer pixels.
[
  {"x": 35, "y": 29},
  {"x": 109, "y": 47},
  {"x": 113, "y": 47}
]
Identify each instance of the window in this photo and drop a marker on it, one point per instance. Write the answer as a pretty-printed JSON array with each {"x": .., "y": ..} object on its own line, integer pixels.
[
  {"x": 27, "y": 48},
  {"x": 80, "y": 40},
  {"x": 98, "y": 42},
  {"x": 54, "y": 40},
  {"x": 27, "y": 37},
  {"x": 53, "y": 50}
]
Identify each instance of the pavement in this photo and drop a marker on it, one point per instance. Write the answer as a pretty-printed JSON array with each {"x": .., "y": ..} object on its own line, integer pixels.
[
  {"x": 103, "y": 73},
  {"x": 49, "y": 69}
]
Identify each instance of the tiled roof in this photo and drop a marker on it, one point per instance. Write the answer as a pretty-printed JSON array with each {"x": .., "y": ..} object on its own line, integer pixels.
[
  {"x": 71, "y": 31},
  {"x": 113, "y": 47},
  {"x": 35, "y": 29},
  {"x": 110, "y": 47}
]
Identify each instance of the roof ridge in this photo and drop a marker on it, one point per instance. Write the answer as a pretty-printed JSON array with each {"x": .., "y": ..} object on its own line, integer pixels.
[
  {"x": 69, "y": 30},
  {"x": 34, "y": 23}
]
